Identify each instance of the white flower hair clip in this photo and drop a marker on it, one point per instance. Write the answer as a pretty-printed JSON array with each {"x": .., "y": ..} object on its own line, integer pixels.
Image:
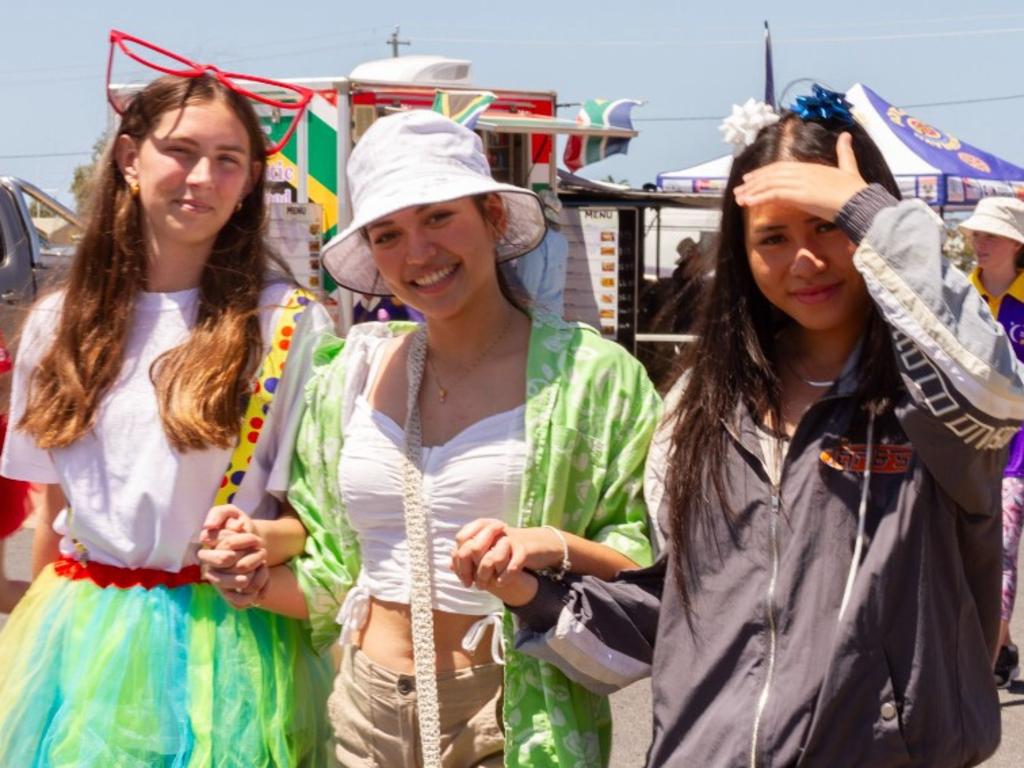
[{"x": 742, "y": 126}]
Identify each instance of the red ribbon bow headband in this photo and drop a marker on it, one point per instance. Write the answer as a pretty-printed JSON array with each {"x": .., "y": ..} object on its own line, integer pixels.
[{"x": 135, "y": 48}]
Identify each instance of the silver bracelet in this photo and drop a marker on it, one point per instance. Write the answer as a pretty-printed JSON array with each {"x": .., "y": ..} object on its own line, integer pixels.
[{"x": 565, "y": 566}]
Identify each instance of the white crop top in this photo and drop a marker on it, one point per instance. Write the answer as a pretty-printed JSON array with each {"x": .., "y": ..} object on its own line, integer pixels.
[{"x": 478, "y": 473}]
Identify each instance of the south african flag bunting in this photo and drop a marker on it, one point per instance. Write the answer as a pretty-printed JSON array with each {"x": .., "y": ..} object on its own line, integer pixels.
[
  {"x": 599, "y": 113},
  {"x": 464, "y": 107}
]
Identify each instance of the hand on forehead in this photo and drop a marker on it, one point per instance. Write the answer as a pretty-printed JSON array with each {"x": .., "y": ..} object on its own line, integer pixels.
[{"x": 821, "y": 190}]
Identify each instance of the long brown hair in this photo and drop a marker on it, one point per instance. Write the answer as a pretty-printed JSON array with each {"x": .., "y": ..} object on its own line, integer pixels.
[
  {"x": 731, "y": 363},
  {"x": 201, "y": 385}
]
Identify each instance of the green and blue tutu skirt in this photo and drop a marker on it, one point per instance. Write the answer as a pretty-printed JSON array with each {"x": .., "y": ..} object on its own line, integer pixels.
[{"x": 113, "y": 668}]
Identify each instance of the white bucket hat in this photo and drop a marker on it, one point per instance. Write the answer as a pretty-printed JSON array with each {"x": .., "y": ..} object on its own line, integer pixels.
[
  {"x": 417, "y": 158},
  {"x": 998, "y": 216}
]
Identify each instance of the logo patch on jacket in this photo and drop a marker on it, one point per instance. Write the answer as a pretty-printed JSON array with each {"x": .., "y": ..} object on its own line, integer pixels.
[{"x": 887, "y": 458}]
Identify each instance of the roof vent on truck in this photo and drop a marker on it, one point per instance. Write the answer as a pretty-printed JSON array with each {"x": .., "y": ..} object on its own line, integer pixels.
[{"x": 435, "y": 70}]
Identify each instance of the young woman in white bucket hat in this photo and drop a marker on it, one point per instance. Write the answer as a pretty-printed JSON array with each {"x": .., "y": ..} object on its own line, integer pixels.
[
  {"x": 489, "y": 428},
  {"x": 996, "y": 231}
]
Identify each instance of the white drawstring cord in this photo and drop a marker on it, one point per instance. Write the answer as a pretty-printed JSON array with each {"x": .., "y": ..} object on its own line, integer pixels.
[
  {"x": 471, "y": 640},
  {"x": 354, "y": 611},
  {"x": 421, "y": 603},
  {"x": 862, "y": 512}
]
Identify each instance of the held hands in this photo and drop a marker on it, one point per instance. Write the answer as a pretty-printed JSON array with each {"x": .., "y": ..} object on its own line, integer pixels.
[
  {"x": 498, "y": 558},
  {"x": 233, "y": 556},
  {"x": 821, "y": 190}
]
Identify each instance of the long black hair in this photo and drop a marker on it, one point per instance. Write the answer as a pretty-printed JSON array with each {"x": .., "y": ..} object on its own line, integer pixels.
[{"x": 731, "y": 363}]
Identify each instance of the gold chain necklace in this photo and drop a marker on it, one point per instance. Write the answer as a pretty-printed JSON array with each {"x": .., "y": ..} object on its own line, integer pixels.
[{"x": 442, "y": 390}]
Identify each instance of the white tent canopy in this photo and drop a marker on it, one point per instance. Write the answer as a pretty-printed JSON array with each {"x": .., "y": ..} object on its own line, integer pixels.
[
  {"x": 705, "y": 179},
  {"x": 927, "y": 163}
]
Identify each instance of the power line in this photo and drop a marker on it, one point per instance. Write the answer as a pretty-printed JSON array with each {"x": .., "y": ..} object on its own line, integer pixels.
[
  {"x": 843, "y": 23},
  {"x": 139, "y": 74},
  {"x": 360, "y": 42},
  {"x": 1009, "y": 97},
  {"x": 588, "y": 43},
  {"x": 904, "y": 36},
  {"x": 692, "y": 118},
  {"x": 684, "y": 43},
  {"x": 664, "y": 119},
  {"x": 358, "y": 35},
  {"x": 43, "y": 155},
  {"x": 848, "y": 23},
  {"x": 952, "y": 103},
  {"x": 18, "y": 77}
]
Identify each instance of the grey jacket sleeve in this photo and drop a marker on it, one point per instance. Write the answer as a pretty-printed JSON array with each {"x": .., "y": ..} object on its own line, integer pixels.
[
  {"x": 965, "y": 385},
  {"x": 599, "y": 633}
]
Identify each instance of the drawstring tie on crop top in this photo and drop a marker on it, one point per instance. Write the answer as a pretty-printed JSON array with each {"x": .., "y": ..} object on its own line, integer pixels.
[
  {"x": 355, "y": 610},
  {"x": 471, "y": 640},
  {"x": 353, "y": 613}
]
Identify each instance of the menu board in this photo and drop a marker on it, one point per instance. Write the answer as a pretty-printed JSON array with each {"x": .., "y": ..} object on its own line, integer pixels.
[
  {"x": 592, "y": 282},
  {"x": 294, "y": 234}
]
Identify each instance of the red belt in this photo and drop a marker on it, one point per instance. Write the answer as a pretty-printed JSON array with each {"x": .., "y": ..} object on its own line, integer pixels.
[{"x": 125, "y": 578}]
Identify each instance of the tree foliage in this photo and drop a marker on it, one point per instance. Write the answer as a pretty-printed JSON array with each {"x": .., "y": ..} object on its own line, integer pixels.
[
  {"x": 957, "y": 248},
  {"x": 609, "y": 179},
  {"x": 81, "y": 181}
]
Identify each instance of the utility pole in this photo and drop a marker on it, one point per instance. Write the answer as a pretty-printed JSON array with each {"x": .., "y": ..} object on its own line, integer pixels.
[{"x": 394, "y": 42}]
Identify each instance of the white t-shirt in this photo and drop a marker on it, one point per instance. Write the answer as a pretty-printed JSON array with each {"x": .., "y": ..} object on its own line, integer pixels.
[{"x": 137, "y": 503}]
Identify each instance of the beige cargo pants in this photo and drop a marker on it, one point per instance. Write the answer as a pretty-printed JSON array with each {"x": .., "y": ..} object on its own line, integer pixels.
[{"x": 373, "y": 711}]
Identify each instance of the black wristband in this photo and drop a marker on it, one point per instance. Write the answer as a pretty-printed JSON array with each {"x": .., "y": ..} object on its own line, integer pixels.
[{"x": 541, "y": 613}]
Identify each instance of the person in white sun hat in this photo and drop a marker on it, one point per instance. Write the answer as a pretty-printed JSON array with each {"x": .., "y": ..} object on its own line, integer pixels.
[
  {"x": 434, "y": 459},
  {"x": 996, "y": 231}
]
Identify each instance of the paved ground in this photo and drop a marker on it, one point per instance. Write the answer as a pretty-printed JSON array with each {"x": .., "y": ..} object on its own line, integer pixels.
[{"x": 632, "y": 707}]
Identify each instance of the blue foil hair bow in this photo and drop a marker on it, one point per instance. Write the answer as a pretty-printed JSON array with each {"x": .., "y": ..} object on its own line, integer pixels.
[{"x": 824, "y": 105}]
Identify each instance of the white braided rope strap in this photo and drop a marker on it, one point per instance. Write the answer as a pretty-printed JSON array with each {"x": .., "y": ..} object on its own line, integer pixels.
[{"x": 420, "y": 560}]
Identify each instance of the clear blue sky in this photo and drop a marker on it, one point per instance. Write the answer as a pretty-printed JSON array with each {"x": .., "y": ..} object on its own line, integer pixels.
[{"x": 687, "y": 59}]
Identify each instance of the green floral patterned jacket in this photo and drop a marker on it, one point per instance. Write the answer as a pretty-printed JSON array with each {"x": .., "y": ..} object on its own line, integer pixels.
[{"x": 590, "y": 415}]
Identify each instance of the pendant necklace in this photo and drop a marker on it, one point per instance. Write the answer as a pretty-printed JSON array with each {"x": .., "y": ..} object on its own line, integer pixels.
[
  {"x": 442, "y": 390},
  {"x": 816, "y": 383}
]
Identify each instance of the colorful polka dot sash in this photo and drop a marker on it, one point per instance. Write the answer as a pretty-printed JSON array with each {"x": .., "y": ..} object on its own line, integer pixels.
[{"x": 262, "y": 394}]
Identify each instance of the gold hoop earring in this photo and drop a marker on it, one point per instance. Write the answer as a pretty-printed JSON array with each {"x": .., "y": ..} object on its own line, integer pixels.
[
  {"x": 133, "y": 187},
  {"x": 238, "y": 207}
]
